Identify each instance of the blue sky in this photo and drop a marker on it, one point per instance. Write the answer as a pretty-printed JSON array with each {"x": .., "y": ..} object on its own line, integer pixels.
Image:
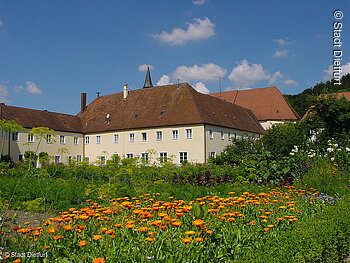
[{"x": 51, "y": 51}]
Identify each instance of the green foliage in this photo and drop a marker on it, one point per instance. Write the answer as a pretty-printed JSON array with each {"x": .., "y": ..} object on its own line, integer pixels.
[
  {"x": 282, "y": 138},
  {"x": 304, "y": 100},
  {"x": 35, "y": 205},
  {"x": 322, "y": 237},
  {"x": 330, "y": 118}
]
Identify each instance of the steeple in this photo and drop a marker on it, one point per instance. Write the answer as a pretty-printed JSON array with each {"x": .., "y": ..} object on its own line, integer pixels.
[{"x": 148, "y": 80}]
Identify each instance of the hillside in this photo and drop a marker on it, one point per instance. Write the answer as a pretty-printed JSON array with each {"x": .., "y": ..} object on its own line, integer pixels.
[{"x": 302, "y": 101}]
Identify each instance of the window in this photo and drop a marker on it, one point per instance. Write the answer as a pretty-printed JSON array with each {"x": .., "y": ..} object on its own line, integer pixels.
[
  {"x": 79, "y": 158},
  {"x": 175, "y": 134},
  {"x": 159, "y": 135},
  {"x": 87, "y": 139},
  {"x": 103, "y": 159},
  {"x": 144, "y": 157},
  {"x": 30, "y": 138},
  {"x": 116, "y": 138},
  {"x": 143, "y": 136},
  {"x": 222, "y": 135},
  {"x": 62, "y": 139},
  {"x": 48, "y": 138},
  {"x": 131, "y": 137},
  {"x": 211, "y": 135},
  {"x": 20, "y": 157},
  {"x": 69, "y": 159},
  {"x": 163, "y": 156},
  {"x": 76, "y": 140},
  {"x": 87, "y": 159},
  {"x": 129, "y": 155},
  {"x": 57, "y": 159},
  {"x": 98, "y": 139},
  {"x": 212, "y": 154},
  {"x": 188, "y": 133},
  {"x": 15, "y": 136},
  {"x": 183, "y": 157},
  {"x": 229, "y": 135}
]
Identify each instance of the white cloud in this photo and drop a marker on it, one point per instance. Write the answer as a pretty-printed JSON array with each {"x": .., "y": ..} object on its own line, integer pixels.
[
  {"x": 31, "y": 87},
  {"x": 200, "y": 87},
  {"x": 4, "y": 94},
  {"x": 280, "y": 53},
  {"x": 199, "y": 2},
  {"x": 144, "y": 67},
  {"x": 329, "y": 72},
  {"x": 245, "y": 75},
  {"x": 164, "y": 80},
  {"x": 290, "y": 82},
  {"x": 209, "y": 71},
  {"x": 283, "y": 42},
  {"x": 200, "y": 29}
]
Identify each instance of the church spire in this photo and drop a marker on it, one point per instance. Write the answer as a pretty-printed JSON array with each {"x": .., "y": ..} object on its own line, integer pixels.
[{"x": 148, "y": 80}]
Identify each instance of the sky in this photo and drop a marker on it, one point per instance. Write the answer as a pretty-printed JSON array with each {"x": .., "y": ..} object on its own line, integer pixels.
[{"x": 52, "y": 51}]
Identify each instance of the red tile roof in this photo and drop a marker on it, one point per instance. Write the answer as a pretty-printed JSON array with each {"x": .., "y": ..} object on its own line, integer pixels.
[
  {"x": 164, "y": 106},
  {"x": 266, "y": 103},
  {"x": 29, "y": 118},
  {"x": 339, "y": 95}
]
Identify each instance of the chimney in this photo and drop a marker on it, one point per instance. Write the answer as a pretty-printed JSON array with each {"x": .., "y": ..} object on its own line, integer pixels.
[
  {"x": 83, "y": 102},
  {"x": 98, "y": 94},
  {"x": 126, "y": 92}
]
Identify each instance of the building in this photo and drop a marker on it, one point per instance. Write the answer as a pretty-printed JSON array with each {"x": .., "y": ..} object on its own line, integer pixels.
[
  {"x": 268, "y": 104},
  {"x": 156, "y": 123}
]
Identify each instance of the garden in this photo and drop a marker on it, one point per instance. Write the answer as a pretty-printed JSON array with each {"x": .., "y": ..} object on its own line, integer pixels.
[{"x": 283, "y": 198}]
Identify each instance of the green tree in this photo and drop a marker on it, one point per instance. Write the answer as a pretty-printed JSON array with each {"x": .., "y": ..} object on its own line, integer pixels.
[
  {"x": 8, "y": 127},
  {"x": 42, "y": 133}
]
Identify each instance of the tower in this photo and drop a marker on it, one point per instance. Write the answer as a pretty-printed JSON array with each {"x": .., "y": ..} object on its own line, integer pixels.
[{"x": 148, "y": 80}]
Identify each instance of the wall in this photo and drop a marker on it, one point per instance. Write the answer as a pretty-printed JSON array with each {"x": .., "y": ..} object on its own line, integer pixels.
[{"x": 194, "y": 147}]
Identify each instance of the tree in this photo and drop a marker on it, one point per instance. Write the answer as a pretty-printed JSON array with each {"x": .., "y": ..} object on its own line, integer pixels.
[
  {"x": 330, "y": 117},
  {"x": 8, "y": 127},
  {"x": 41, "y": 133}
]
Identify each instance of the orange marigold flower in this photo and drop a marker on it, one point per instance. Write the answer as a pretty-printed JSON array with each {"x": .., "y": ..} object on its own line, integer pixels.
[
  {"x": 68, "y": 227},
  {"x": 18, "y": 260},
  {"x": 231, "y": 219},
  {"x": 150, "y": 239},
  {"x": 104, "y": 229},
  {"x": 129, "y": 226},
  {"x": 83, "y": 243},
  {"x": 52, "y": 230},
  {"x": 190, "y": 233},
  {"x": 118, "y": 225},
  {"x": 110, "y": 231},
  {"x": 99, "y": 260},
  {"x": 186, "y": 240},
  {"x": 57, "y": 237},
  {"x": 143, "y": 229},
  {"x": 252, "y": 222},
  {"x": 47, "y": 247},
  {"x": 198, "y": 222},
  {"x": 198, "y": 239},
  {"x": 15, "y": 227},
  {"x": 176, "y": 223},
  {"x": 151, "y": 234},
  {"x": 266, "y": 229},
  {"x": 96, "y": 237},
  {"x": 270, "y": 226},
  {"x": 209, "y": 232}
]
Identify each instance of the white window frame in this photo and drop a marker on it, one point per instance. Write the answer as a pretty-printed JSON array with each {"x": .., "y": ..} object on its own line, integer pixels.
[
  {"x": 175, "y": 134},
  {"x": 62, "y": 139},
  {"x": 189, "y": 133},
  {"x": 116, "y": 138},
  {"x": 59, "y": 159},
  {"x": 98, "y": 139},
  {"x": 103, "y": 159},
  {"x": 15, "y": 136},
  {"x": 145, "y": 156},
  {"x": 86, "y": 159},
  {"x": 129, "y": 155},
  {"x": 159, "y": 135},
  {"x": 31, "y": 138},
  {"x": 143, "y": 136},
  {"x": 87, "y": 140},
  {"x": 211, "y": 134},
  {"x": 161, "y": 159},
  {"x": 131, "y": 137},
  {"x": 79, "y": 158},
  {"x": 76, "y": 140},
  {"x": 183, "y": 152},
  {"x": 212, "y": 154}
]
